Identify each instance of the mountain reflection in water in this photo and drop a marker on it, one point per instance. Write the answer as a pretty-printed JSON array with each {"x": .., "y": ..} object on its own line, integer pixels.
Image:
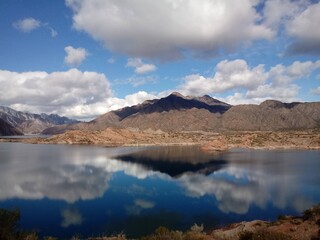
[
  {"x": 175, "y": 161},
  {"x": 62, "y": 190}
]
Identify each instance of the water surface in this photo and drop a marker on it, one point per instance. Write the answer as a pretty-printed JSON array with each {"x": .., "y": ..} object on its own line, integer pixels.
[{"x": 66, "y": 190}]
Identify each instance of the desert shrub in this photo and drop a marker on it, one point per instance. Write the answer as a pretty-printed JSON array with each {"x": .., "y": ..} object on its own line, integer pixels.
[
  {"x": 311, "y": 213},
  {"x": 50, "y": 238},
  {"x": 282, "y": 217},
  {"x": 30, "y": 236},
  {"x": 197, "y": 228},
  {"x": 8, "y": 223},
  {"x": 264, "y": 235}
]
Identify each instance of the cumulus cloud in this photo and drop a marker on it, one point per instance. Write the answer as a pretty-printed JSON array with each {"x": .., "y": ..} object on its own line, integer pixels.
[
  {"x": 71, "y": 217},
  {"x": 76, "y": 94},
  {"x": 27, "y": 25},
  {"x": 252, "y": 84},
  {"x": 139, "y": 66},
  {"x": 295, "y": 18},
  {"x": 90, "y": 111},
  {"x": 229, "y": 75},
  {"x": 303, "y": 29},
  {"x": 200, "y": 28},
  {"x": 277, "y": 13},
  {"x": 56, "y": 92},
  {"x": 75, "y": 56}
]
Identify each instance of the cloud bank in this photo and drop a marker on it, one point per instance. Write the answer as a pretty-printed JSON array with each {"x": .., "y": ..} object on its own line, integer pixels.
[
  {"x": 169, "y": 29},
  {"x": 250, "y": 84},
  {"x": 73, "y": 93},
  {"x": 56, "y": 92},
  {"x": 85, "y": 95},
  {"x": 198, "y": 28},
  {"x": 303, "y": 29}
]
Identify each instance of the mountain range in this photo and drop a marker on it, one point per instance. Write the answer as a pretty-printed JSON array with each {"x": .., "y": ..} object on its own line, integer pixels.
[
  {"x": 17, "y": 123},
  {"x": 185, "y": 113}
]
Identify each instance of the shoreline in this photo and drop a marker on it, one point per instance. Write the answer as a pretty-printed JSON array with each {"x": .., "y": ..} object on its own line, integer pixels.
[{"x": 207, "y": 141}]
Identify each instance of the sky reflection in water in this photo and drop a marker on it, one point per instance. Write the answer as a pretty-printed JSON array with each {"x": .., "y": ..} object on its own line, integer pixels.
[{"x": 63, "y": 190}]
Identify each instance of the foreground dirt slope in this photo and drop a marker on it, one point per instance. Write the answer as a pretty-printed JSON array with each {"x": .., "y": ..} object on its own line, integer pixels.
[{"x": 306, "y": 227}]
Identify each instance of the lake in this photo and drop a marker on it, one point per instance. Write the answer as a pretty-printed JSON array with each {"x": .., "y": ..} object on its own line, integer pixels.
[{"x": 64, "y": 190}]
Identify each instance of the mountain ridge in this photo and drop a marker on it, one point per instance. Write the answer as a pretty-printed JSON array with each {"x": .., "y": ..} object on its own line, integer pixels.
[
  {"x": 31, "y": 123},
  {"x": 186, "y": 113}
]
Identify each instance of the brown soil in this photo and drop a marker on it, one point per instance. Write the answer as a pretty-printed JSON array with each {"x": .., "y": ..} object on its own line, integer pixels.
[{"x": 209, "y": 141}]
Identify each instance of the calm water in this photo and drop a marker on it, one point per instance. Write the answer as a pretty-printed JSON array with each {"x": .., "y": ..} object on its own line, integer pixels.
[{"x": 67, "y": 190}]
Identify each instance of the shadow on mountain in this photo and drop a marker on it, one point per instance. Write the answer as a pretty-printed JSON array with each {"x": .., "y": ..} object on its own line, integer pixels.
[{"x": 174, "y": 101}]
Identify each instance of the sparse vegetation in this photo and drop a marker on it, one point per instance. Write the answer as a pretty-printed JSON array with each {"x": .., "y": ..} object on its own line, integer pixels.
[{"x": 264, "y": 235}]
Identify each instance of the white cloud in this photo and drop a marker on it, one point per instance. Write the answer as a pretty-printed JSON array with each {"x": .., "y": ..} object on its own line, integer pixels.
[
  {"x": 251, "y": 84},
  {"x": 56, "y": 92},
  {"x": 286, "y": 93},
  {"x": 229, "y": 75},
  {"x": 140, "y": 67},
  {"x": 169, "y": 29},
  {"x": 277, "y": 13},
  {"x": 303, "y": 28},
  {"x": 27, "y": 25},
  {"x": 75, "y": 56},
  {"x": 89, "y": 111},
  {"x": 282, "y": 75},
  {"x": 71, "y": 217}
]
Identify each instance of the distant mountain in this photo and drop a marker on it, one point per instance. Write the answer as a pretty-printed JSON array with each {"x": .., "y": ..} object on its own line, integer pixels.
[
  {"x": 184, "y": 113},
  {"x": 172, "y": 113},
  {"x": 7, "y": 130},
  {"x": 30, "y": 123}
]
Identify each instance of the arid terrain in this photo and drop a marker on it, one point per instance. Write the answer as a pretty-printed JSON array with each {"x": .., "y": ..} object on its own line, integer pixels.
[{"x": 209, "y": 141}]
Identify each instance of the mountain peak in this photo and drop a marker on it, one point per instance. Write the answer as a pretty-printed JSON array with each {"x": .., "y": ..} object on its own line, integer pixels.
[{"x": 177, "y": 94}]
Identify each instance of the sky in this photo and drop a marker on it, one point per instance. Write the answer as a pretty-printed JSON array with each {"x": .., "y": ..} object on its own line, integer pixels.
[{"x": 82, "y": 58}]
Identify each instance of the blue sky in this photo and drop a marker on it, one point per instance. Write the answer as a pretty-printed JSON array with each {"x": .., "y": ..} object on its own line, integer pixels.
[{"x": 82, "y": 58}]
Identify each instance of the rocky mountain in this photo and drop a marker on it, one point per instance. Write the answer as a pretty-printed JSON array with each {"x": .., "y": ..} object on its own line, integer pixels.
[
  {"x": 184, "y": 113},
  {"x": 7, "y": 130},
  {"x": 29, "y": 123}
]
